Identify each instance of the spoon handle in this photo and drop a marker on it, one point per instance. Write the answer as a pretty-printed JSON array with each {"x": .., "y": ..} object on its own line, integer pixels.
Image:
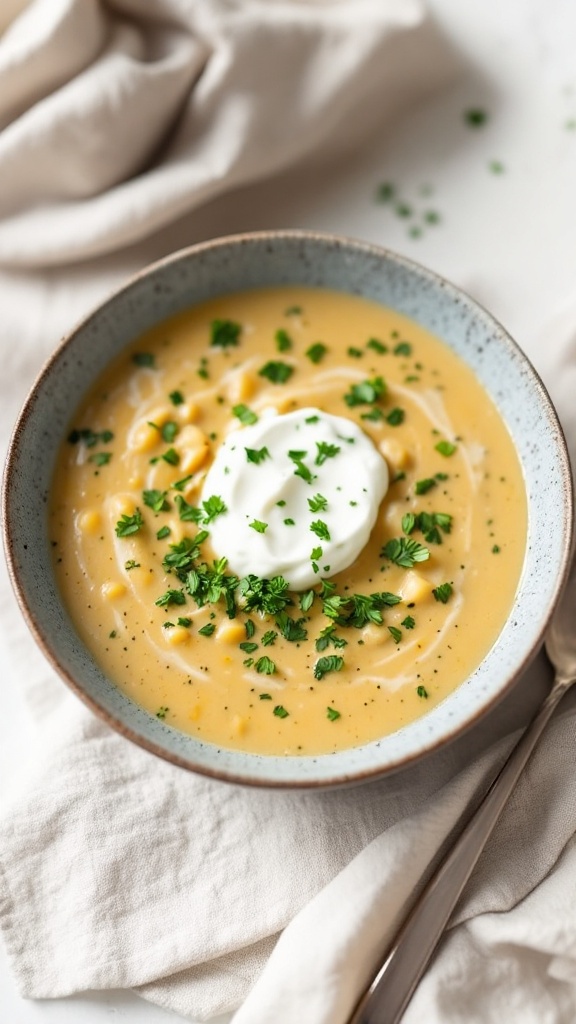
[{"x": 387, "y": 996}]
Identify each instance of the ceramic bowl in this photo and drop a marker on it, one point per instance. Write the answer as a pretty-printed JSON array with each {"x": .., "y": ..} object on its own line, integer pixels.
[{"x": 289, "y": 257}]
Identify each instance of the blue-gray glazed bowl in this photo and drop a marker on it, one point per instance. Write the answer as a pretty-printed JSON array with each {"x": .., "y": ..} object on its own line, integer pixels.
[{"x": 291, "y": 257}]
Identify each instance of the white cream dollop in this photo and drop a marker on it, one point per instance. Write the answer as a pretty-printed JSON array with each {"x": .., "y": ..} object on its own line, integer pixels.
[{"x": 349, "y": 478}]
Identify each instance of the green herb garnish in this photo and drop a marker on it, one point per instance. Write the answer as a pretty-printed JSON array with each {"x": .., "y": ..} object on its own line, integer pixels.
[
  {"x": 366, "y": 392},
  {"x": 156, "y": 500},
  {"x": 245, "y": 415},
  {"x": 329, "y": 663},
  {"x": 445, "y": 448},
  {"x": 325, "y": 451},
  {"x": 258, "y": 525},
  {"x": 443, "y": 592},
  {"x": 276, "y": 372},
  {"x": 405, "y": 552},
  {"x": 332, "y": 714},
  {"x": 224, "y": 333},
  {"x": 127, "y": 525},
  {"x": 176, "y": 397},
  {"x": 265, "y": 666},
  {"x": 143, "y": 359},
  {"x": 320, "y": 529},
  {"x": 257, "y": 455},
  {"x": 316, "y": 352},
  {"x": 283, "y": 340}
]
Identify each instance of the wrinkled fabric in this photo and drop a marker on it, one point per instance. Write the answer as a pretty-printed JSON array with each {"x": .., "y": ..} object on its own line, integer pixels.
[
  {"x": 117, "y": 117},
  {"x": 118, "y": 870}
]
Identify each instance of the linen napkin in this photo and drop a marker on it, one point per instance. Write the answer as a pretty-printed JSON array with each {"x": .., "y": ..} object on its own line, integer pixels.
[
  {"x": 118, "y": 870},
  {"x": 139, "y": 110}
]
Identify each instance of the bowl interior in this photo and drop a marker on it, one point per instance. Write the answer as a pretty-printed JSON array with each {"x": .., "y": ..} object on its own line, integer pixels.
[{"x": 250, "y": 261}]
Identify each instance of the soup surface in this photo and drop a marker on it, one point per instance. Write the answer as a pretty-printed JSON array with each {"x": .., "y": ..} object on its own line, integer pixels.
[{"x": 242, "y": 660}]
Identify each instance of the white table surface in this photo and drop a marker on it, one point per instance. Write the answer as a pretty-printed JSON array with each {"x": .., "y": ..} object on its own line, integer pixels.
[{"x": 508, "y": 238}]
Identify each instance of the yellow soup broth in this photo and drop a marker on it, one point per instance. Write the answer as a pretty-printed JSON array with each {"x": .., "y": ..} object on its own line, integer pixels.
[{"x": 325, "y": 674}]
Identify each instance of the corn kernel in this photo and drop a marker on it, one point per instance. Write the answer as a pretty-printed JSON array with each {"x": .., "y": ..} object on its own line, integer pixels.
[
  {"x": 136, "y": 481},
  {"x": 160, "y": 415},
  {"x": 230, "y": 633},
  {"x": 241, "y": 387},
  {"x": 176, "y": 635},
  {"x": 89, "y": 521},
  {"x": 395, "y": 453},
  {"x": 374, "y": 636},
  {"x": 189, "y": 412},
  {"x": 123, "y": 505},
  {"x": 193, "y": 447},
  {"x": 239, "y": 725},
  {"x": 415, "y": 587},
  {"x": 143, "y": 437},
  {"x": 112, "y": 589}
]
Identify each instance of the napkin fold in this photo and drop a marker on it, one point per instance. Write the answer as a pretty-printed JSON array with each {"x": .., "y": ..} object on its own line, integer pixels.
[
  {"x": 119, "y": 116},
  {"x": 118, "y": 870}
]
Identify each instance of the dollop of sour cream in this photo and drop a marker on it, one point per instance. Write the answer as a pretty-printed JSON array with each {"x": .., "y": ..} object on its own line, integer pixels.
[{"x": 302, "y": 491}]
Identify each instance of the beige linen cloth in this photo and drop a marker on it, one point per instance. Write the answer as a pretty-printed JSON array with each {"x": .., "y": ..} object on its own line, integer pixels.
[{"x": 118, "y": 870}]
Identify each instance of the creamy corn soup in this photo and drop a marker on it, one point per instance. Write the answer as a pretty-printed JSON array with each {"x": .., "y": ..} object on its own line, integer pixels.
[{"x": 288, "y": 521}]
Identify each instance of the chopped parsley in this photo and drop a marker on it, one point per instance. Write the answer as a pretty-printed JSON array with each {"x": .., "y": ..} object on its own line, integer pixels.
[
  {"x": 162, "y": 712},
  {"x": 318, "y": 503},
  {"x": 408, "y": 622},
  {"x": 176, "y": 397},
  {"x": 100, "y": 458},
  {"x": 280, "y": 712},
  {"x": 207, "y": 630},
  {"x": 245, "y": 415},
  {"x": 429, "y": 523},
  {"x": 266, "y": 596},
  {"x": 90, "y": 437},
  {"x": 377, "y": 346},
  {"x": 265, "y": 696},
  {"x": 328, "y": 663},
  {"x": 332, "y": 714},
  {"x": 475, "y": 117},
  {"x": 422, "y": 692},
  {"x": 143, "y": 359},
  {"x": 224, "y": 333},
  {"x": 395, "y": 417},
  {"x": 156, "y": 500},
  {"x": 276, "y": 371},
  {"x": 320, "y": 528},
  {"x": 365, "y": 392},
  {"x": 163, "y": 532},
  {"x": 170, "y": 597},
  {"x": 269, "y": 637},
  {"x": 443, "y": 592},
  {"x": 325, "y": 451},
  {"x": 403, "y": 348},
  {"x": 425, "y": 485},
  {"x": 131, "y": 564},
  {"x": 127, "y": 525},
  {"x": 171, "y": 457},
  {"x": 169, "y": 431},
  {"x": 405, "y": 552},
  {"x": 258, "y": 525},
  {"x": 283, "y": 340},
  {"x": 257, "y": 455},
  {"x": 306, "y": 600},
  {"x": 316, "y": 352},
  {"x": 265, "y": 666},
  {"x": 395, "y": 633},
  {"x": 213, "y": 507},
  {"x": 188, "y": 513},
  {"x": 445, "y": 448}
]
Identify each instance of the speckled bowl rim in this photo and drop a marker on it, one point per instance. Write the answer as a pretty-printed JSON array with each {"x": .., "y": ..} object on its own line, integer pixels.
[{"x": 254, "y": 769}]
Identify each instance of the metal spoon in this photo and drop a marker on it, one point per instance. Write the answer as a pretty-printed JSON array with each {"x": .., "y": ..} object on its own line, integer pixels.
[{"x": 388, "y": 994}]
